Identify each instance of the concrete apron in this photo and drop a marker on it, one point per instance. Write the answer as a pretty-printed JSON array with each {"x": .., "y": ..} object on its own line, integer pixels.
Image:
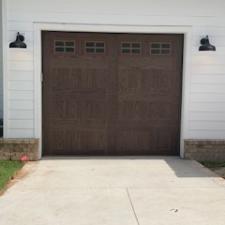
[{"x": 120, "y": 191}]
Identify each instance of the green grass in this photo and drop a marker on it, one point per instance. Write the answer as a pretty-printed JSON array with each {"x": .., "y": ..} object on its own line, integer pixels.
[
  {"x": 7, "y": 170},
  {"x": 213, "y": 165}
]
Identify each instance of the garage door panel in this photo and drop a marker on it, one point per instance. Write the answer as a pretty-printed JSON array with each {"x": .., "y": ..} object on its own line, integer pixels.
[
  {"x": 147, "y": 111},
  {"x": 145, "y": 82},
  {"x": 166, "y": 139},
  {"x": 84, "y": 141},
  {"x": 133, "y": 141},
  {"x": 130, "y": 142},
  {"x": 59, "y": 142},
  {"x": 65, "y": 109},
  {"x": 78, "y": 79},
  {"x": 139, "y": 142},
  {"x": 92, "y": 142},
  {"x": 148, "y": 62},
  {"x": 92, "y": 110},
  {"x": 74, "y": 109},
  {"x": 77, "y": 124},
  {"x": 111, "y": 94}
]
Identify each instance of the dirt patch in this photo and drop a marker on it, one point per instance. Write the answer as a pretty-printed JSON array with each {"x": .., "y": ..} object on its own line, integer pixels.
[
  {"x": 218, "y": 168},
  {"x": 220, "y": 172}
]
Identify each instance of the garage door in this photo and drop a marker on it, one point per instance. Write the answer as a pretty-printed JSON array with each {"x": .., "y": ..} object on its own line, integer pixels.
[{"x": 111, "y": 94}]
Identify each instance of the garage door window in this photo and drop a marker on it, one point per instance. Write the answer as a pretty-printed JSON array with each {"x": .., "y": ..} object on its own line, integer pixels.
[
  {"x": 131, "y": 48},
  {"x": 95, "y": 47},
  {"x": 160, "y": 48},
  {"x": 64, "y": 46}
]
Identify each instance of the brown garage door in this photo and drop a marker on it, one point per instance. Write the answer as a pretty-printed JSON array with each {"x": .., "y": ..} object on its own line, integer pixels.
[{"x": 111, "y": 94}]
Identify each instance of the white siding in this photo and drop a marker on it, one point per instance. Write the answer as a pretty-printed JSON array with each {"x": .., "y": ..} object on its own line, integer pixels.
[
  {"x": 1, "y": 68},
  {"x": 206, "y": 93}
]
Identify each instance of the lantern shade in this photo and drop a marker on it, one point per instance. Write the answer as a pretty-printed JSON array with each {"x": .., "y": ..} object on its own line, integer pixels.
[
  {"x": 206, "y": 46},
  {"x": 19, "y": 42}
]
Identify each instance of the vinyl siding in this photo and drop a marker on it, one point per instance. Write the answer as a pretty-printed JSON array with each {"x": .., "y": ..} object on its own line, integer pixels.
[
  {"x": 207, "y": 89},
  {"x": 1, "y": 67},
  {"x": 206, "y": 92}
]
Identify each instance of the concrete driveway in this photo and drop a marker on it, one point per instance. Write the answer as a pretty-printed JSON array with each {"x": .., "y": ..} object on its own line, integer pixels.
[{"x": 125, "y": 191}]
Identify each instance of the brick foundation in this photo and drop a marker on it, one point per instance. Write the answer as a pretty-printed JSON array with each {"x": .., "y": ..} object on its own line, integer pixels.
[
  {"x": 205, "y": 150},
  {"x": 13, "y": 149},
  {"x": 200, "y": 150}
]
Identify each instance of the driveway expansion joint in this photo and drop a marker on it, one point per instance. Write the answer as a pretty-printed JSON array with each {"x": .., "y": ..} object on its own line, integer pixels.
[{"x": 132, "y": 206}]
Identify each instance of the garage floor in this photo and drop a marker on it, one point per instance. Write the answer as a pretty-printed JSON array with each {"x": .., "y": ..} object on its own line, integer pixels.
[{"x": 125, "y": 191}]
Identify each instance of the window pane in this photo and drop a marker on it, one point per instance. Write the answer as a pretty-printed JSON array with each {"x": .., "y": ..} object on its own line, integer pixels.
[
  {"x": 131, "y": 47},
  {"x": 155, "y": 51},
  {"x": 100, "y": 44},
  {"x": 160, "y": 48},
  {"x": 69, "y": 44},
  {"x": 155, "y": 45},
  {"x": 125, "y": 45},
  {"x": 90, "y": 44},
  {"x": 90, "y": 50},
  {"x": 136, "y": 51},
  {"x": 165, "y": 51},
  {"x": 125, "y": 50},
  {"x": 136, "y": 45},
  {"x": 64, "y": 46},
  {"x": 59, "y": 43},
  {"x": 100, "y": 50},
  {"x": 95, "y": 47},
  {"x": 69, "y": 49},
  {"x": 58, "y": 49},
  {"x": 165, "y": 45}
]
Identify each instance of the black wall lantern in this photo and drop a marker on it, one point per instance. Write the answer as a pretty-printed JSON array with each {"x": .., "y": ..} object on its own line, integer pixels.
[
  {"x": 205, "y": 45},
  {"x": 19, "y": 42}
]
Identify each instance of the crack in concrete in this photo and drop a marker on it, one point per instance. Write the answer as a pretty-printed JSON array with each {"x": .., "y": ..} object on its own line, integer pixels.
[{"x": 132, "y": 206}]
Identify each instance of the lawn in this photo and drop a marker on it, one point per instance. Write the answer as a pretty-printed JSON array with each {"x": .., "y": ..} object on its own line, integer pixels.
[
  {"x": 7, "y": 170},
  {"x": 218, "y": 168}
]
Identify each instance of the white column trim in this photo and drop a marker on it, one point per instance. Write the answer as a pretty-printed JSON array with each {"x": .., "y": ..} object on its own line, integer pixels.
[{"x": 5, "y": 67}]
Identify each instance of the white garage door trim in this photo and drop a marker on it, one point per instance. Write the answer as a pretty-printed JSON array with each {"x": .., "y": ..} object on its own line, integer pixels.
[{"x": 39, "y": 27}]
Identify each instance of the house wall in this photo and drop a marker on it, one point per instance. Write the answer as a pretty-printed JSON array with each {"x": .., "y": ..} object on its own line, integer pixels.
[
  {"x": 1, "y": 68},
  {"x": 205, "y": 81}
]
